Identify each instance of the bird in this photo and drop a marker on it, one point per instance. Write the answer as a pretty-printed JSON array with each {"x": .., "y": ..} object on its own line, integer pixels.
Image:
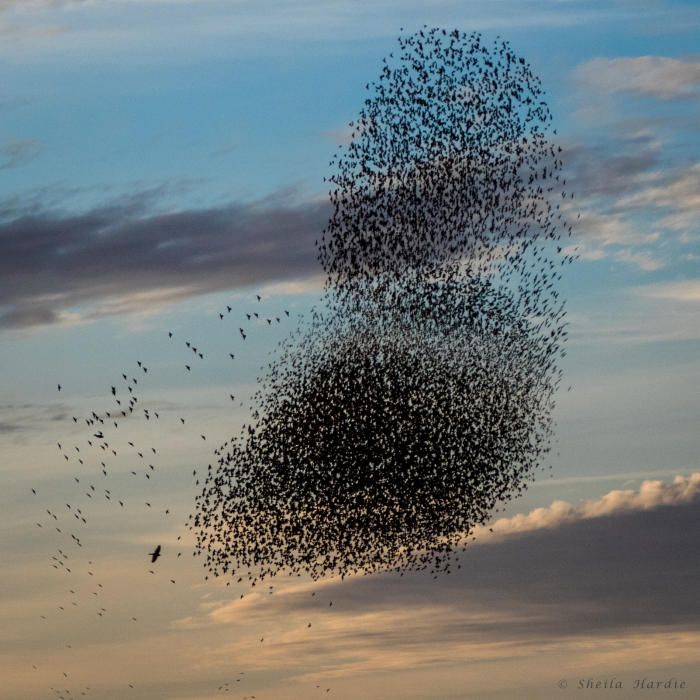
[{"x": 433, "y": 351}]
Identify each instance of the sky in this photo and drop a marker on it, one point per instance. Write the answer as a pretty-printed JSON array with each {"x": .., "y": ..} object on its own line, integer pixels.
[{"x": 162, "y": 159}]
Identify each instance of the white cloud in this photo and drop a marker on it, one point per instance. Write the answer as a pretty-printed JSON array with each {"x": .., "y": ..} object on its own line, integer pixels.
[{"x": 651, "y": 494}]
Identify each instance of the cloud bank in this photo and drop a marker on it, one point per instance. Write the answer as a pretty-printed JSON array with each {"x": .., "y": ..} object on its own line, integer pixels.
[
  {"x": 125, "y": 258},
  {"x": 612, "y": 573}
]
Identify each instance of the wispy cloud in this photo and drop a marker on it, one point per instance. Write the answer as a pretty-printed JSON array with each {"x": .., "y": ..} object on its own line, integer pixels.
[
  {"x": 635, "y": 204},
  {"x": 13, "y": 102},
  {"x": 92, "y": 25},
  {"x": 18, "y": 152},
  {"x": 637, "y": 317},
  {"x": 29, "y": 416},
  {"x": 33, "y": 5},
  {"x": 596, "y": 169},
  {"x": 610, "y": 234},
  {"x": 635, "y": 182},
  {"x": 683, "y": 291},
  {"x": 676, "y": 195},
  {"x": 644, "y": 260},
  {"x": 648, "y": 76}
]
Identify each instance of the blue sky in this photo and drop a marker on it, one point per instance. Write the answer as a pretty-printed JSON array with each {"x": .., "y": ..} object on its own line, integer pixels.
[{"x": 161, "y": 159}]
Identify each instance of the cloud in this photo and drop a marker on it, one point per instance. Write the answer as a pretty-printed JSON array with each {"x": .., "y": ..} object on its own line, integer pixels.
[
  {"x": 224, "y": 149},
  {"x": 605, "y": 573},
  {"x": 18, "y": 152},
  {"x": 33, "y": 5},
  {"x": 7, "y": 103},
  {"x": 685, "y": 291},
  {"x": 677, "y": 195},
  {"x": 602, "y": 234},
  {"x": 651, "y": 494},
  {"x": 10, "y": 427},
  {"x": 635, "y": 205},
  {"x": 21, "y": 418},
  {"x": 637, "y": 323},
  {"x": 605, "y": 229},
  {"x": 16, "y": 34},
  {"x": 655, "y": 504},
  {"x": 600, "y": 175},
  {"x": 91, "y": 29},
  {"x": 647, "y": 76},
  {"x": 125, "y": 257},
  {"x": 601, "y": 170},
  {"x": 636, "y": 186},
  {"x": 644, "y": 260}
]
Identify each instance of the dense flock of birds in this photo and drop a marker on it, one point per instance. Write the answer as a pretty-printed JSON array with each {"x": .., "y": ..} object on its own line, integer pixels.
[{"x": 416, "y": 399}]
